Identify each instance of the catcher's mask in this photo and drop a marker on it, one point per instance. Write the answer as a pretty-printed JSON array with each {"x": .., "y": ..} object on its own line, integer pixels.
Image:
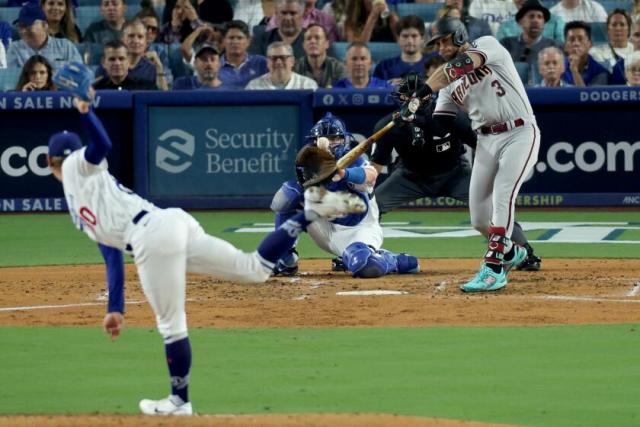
[{"x": 330, "y": 127}]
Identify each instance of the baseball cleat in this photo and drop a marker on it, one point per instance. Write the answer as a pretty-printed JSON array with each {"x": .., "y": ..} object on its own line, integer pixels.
[
  {"x": 166, "y": 406},
  {"x": 287, "y": 265},
  {"x": 338, "y": 265},
  {"x": 531, "y": 263},
  {"x": 322, "y": 203},
  {"x": 485, "y": 281},
  {"x": 520, "y": 254}
]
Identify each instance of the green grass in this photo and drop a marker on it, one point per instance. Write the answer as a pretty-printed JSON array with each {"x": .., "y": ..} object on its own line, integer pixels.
[
  {"x": 49, "y": 239},
  {"x": 546, "y": 376}
]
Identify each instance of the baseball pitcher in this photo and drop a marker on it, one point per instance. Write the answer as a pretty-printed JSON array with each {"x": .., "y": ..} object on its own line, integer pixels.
[{"x": 165, "y": 243}]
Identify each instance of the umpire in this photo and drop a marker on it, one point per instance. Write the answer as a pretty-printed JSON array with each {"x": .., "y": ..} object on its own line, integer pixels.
[{"x": 431, "y": 162}]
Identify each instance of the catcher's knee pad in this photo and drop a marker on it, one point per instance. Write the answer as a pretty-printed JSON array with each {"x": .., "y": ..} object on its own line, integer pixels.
[
  {"x": 288, "y": 198},
  {"x": 364, "y": 262}
]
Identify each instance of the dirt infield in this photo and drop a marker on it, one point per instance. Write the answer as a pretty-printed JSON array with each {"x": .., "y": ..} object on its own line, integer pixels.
[{"x": 565, "y": 292}]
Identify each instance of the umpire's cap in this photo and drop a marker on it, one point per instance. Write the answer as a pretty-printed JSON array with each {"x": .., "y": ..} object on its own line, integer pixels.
[
  {"x": 63, "y": 143},
  {"x": 449, "y": 26}
]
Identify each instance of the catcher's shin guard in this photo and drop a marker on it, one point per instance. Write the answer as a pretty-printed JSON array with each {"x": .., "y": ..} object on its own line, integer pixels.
[{"x": 362, "y": 261}]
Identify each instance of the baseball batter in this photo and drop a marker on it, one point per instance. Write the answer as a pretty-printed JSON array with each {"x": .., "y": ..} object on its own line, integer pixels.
[
  {"x": 165, "y": 244},
  {"x": 481, "y": 79},
  {"x": 355, "y": 238}
]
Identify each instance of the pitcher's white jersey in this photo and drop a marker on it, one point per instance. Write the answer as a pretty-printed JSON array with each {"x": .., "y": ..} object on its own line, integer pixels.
[
  {"x": 492, "y": 93},
  {"x": 99, "y": 205}
]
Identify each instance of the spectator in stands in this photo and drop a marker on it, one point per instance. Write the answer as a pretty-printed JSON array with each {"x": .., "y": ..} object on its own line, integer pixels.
[
  {"x": 494, "y": 12},
  {"x": 36, "y": 75},
  {"x": 184, "y": 20},
  {"x": 635, "y": 11},
  {"x": 237, "y": 67},
  {"x": 281, "y": 76},
  {"x": 531, "y": 17},
  {"x": 253, "y": 12},
  {"x": 551, "y": 65},
  {"x": 619, "y": 47},
  {"x": 581, "y": 69},
  {"x": 116, "y": 63},
  {"x": 369, "y": 21},
  {"x": 475, "y": 27},
  {"x": 205, "y": 33},
  {"x": 312, "y": 15},
  {"x": 632, "y": 69},
  {"x": 580, "y": 10},
  {"x": 316, "y": 64},
  {"x": 61, "y": 19},
  {"x": 358, "y": 60},
  {"x": 337, "y": 9},
  {"x": 215, "y": 11},
  {"x": 3, "y": 57},
  {"x": 34, "y": 39},
  {"x": 150, "y": 20},
  {"x": 207, "y": 66},
  {"x": 110, "y": 27},
  {"x": 6, "y": 34},
  {"x": 289, "y": 14},
  {"x": 635, "y": 36},
  {"x": 553, "y": 28},
  {"x": 411, "y": 59}
]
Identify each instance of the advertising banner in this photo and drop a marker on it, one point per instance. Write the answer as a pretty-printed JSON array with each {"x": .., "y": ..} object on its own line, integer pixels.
[
  {"x": 211, "y": 151},
  {"x": 27, "y": 121}
]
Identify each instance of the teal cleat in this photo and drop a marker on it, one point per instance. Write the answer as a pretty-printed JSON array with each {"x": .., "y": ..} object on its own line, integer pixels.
[
  {"x": 486, "y": 280},
  {"x": 518, "y": 258}
]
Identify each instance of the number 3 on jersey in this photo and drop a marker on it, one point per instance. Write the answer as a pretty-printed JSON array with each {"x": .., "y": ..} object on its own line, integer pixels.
[{"x": 499, "y": 89}]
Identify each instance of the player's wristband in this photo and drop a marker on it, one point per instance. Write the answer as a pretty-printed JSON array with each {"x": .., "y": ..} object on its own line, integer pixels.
[{"x": 355, "y": 175}]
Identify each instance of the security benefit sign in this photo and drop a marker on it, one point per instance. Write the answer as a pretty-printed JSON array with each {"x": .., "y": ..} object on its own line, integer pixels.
[{"x": 221, "y": 150}]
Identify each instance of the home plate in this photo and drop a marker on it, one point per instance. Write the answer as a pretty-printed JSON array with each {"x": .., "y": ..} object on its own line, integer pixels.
[{"x": 371, "y": 292}]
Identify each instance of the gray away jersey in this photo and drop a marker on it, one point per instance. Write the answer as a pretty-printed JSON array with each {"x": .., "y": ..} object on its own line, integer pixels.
[
  {"x": 492, "y": 93},
  {"x": 98, "y": 204}
]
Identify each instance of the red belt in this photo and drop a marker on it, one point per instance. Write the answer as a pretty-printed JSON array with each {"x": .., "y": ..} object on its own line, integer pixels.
[{"x": 501, "y": 127}]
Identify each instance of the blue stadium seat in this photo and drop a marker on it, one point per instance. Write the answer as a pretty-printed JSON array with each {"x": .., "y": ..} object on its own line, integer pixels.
[
  {"x": 523, "y": 71},
  {"x": 609, "y": 5},
  {"x": 91, "y": 52},
  {"x": 426, "y": 11},
  {"x": 9, "y": 14},
  {"x": 9, "y": 78},
  {"x": 379, "y": 50},
  {"x": 599, "y": 32}
]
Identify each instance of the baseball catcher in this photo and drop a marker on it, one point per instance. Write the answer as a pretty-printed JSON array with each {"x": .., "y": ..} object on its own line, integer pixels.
[{"x": 355, "y": 238}]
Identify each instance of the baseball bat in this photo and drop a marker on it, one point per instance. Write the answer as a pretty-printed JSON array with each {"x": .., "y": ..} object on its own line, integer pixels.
[{"x": 351, "y": 156}]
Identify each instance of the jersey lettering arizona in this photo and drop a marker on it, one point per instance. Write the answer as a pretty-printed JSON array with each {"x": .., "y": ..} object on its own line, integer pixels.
[{"x": 493, "y": 93}]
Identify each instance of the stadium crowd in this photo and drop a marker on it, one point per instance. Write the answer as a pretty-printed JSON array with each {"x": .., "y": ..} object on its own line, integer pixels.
[{"x": 306, "y": 44}]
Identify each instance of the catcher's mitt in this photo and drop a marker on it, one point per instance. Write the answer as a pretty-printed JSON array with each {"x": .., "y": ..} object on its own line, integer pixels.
[
  {"x": 75, "y": 78},
  {"x": 315, "y": 166}
]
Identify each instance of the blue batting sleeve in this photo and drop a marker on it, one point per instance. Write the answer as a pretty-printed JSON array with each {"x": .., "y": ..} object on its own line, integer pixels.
[
  {"x": 115, "y": 277},
  {"x": 355, "y": 175},
  {"x": 99, "y": 142}
]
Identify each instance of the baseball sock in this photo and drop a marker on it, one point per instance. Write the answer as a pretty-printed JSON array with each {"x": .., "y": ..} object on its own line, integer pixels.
[
  {"x": 179, "y": 363},
  {"x": 498, "y": 245},
  {"x": 280, "y": 241}
]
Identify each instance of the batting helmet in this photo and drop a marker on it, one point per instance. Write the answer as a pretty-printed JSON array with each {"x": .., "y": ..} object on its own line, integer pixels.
[{"x": 444, "y": 27}]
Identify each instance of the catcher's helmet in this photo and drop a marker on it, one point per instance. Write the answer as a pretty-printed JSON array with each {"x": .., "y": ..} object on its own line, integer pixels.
[
  {"x": 449, "y": 26},
  {"x": 329, "y": 126}
]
